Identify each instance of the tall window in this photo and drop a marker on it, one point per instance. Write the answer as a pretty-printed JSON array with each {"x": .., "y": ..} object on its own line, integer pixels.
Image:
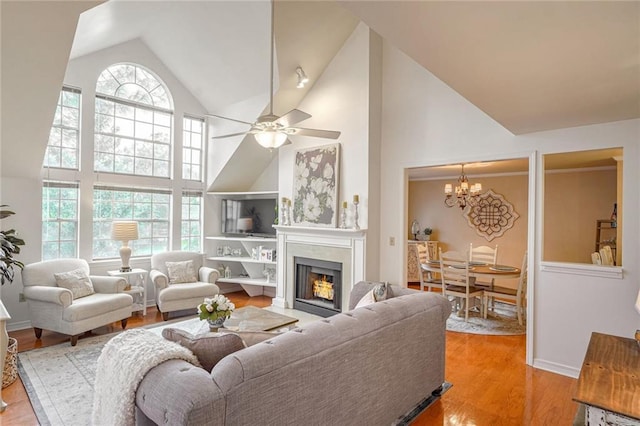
[
  {"x": 64, "y": 138},
  {"x": 192, "y": 139},
  {"x": 150, "y": 208},
  {"x": 191, "y": 233},
  {"x": 133, "y": 123},
  {"x": 59, "y": 220}
]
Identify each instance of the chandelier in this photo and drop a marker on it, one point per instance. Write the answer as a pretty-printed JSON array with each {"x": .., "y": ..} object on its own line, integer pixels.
[{"x": 464, "y": 194}]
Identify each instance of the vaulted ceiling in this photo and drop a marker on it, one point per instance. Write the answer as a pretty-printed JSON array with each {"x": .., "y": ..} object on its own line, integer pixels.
[{"x": 531, "y": 66}]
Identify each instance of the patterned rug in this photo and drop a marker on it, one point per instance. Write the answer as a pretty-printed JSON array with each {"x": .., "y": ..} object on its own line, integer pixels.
[
  {"x": 501, "y": 322},
  {"x": 59, "y": 379}
]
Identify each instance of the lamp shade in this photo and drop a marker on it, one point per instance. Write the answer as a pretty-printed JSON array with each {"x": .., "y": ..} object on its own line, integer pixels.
[
  {"x": 124, "y": 230},
  {"x": 270, "y": 138}
]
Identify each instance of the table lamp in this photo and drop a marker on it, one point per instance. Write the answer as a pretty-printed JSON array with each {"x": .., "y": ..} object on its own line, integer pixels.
[{"x": 125, "y": 231}]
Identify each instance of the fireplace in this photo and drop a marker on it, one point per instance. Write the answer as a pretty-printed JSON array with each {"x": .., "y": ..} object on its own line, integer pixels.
[{"x": 318, "y": 286}]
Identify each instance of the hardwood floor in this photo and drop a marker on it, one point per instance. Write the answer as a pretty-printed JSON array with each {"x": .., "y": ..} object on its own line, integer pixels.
[{"x": 491, "y": 383}]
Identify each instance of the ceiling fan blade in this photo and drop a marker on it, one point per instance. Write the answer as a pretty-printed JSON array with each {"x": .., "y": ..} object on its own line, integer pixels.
[
  {"x": 292, "y": 117},
  {"x": 230, "y": 119},
  {"x": 229, "y": 135},
  {"x": 316, "y": 133}
]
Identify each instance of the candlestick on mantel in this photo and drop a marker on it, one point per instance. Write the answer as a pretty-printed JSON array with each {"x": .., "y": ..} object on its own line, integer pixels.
[
  {"x": 356, "y": 201},
  {"x": 343, "y": 216}
]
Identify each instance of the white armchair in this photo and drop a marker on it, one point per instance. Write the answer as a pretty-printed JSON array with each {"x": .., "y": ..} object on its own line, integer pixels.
[
  {"x": 176, "y": 296},
  {"x": 54, "y": 308}
]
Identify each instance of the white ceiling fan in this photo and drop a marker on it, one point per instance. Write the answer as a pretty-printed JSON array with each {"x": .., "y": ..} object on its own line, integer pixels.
[{"x": 271, "y": 131}]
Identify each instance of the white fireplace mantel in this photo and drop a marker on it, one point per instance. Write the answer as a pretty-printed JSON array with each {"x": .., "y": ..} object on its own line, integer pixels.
[{"x": 346, "y": 246}]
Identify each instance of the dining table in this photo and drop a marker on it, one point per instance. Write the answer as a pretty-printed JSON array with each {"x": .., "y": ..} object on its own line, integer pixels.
[{"x": 480, "y": 270}]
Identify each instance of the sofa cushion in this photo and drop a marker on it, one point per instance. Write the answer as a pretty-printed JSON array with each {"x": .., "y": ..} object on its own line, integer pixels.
[
  {"x": 181, "y": 272},
  {"x": 95, "y": 305},
  {"x": 376, "y": 294},
  {"x": 77, "y": 281},
  {"x": 208, "y": 347}
]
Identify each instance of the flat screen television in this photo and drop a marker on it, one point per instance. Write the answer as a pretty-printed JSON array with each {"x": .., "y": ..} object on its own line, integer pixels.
[{"x": 248, "y": 217}]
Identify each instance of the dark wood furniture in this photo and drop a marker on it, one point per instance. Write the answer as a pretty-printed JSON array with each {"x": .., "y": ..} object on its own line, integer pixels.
[{"x": 609, "y": 382}]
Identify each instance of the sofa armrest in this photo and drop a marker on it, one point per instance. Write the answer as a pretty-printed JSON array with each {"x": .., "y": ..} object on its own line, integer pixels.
[
  {"x": 158, "y": 279},
  {"x": 178, "y": 393},
  {"x": 208, "y": 275},
  {"x": 104, "y": 284},
  {"x": 58, "y": 295}
]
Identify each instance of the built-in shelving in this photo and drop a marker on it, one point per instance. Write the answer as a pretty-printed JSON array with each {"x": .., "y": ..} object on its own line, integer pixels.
[
  {"x": 242, "y": 259},
  {"x": 247, "y": 281},
  {"x": 243, "y": 239}
]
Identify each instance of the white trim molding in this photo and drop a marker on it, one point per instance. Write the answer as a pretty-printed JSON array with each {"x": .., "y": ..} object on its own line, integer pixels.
[{"x": 601, "y": 271}]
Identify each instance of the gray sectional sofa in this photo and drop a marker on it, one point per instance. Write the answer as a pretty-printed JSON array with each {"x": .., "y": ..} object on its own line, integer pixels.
[{"x": 367, "y": 366}]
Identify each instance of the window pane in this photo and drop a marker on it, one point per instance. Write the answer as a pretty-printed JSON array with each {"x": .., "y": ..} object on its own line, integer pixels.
[
  {"x": 149, "y": 209},
  {"x": 59, "y": 220},
  {"x": 141, "y": 132},
  {"x": 191, "y": 226},
  {"x": 192, "y": 151},
  {"x": 65, "y": 132}
]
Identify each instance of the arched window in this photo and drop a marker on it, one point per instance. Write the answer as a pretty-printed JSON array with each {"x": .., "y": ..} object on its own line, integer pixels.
[{"x": 133, "y": 123}]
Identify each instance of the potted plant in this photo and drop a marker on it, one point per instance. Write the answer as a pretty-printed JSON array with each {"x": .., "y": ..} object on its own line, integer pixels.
[
  {"x": 10, "y": 245},
  {"x": 215, "y": 310},
  {"x": 427, "y": 233}
]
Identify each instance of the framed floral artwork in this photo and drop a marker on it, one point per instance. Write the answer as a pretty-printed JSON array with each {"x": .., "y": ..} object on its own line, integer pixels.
[{"x": 315, "y": 186}]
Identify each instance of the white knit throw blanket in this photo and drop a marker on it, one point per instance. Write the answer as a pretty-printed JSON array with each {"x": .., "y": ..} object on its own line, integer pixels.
[{"x": 122, "y": 365}]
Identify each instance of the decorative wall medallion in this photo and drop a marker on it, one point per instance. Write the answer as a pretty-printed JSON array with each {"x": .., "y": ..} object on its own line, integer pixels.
[
  {"x": 491, "y": 216},
  {"x": 315, "y": 186}
]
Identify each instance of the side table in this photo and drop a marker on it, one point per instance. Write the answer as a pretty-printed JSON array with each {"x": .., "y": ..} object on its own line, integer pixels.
[
  {"x": 609, "y": 385},
  {"x": 4, "y": 339},
  {"x": 137, "y": 278}
]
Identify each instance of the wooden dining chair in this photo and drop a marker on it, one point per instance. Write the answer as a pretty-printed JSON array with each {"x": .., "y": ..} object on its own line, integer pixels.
[
  {"x": 483, "y": 254},
  {"x": 427, "y": 278},
  {"x": 454, "y": 272},
  {"x": 518, "y": 295},
  {"x": 606, "y": 255}
]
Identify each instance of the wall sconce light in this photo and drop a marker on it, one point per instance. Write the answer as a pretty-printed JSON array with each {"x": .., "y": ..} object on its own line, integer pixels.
[{"x": 302, "y": 78}]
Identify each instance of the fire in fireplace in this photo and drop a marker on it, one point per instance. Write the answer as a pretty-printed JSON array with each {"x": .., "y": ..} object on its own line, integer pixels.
[{"x": 318, "y": 286}]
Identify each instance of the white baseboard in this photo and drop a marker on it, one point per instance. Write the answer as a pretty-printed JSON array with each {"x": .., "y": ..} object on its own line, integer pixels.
[
  {"x": 554, "y": 367},
  {"x": 18, "y": 325}
]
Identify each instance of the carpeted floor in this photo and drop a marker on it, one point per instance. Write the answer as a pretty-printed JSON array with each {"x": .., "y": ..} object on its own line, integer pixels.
[{"x": 501, "y": 322}]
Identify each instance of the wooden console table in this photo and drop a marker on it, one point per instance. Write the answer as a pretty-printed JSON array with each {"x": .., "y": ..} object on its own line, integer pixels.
[{"x": 609, "y": 382}]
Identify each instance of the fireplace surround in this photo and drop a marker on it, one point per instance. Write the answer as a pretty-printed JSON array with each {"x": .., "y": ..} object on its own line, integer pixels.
[{"x": 344, "y": 246}]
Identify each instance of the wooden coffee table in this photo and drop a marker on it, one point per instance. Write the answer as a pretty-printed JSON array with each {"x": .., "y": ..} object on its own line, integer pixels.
[{"x": 250, "y": 318}]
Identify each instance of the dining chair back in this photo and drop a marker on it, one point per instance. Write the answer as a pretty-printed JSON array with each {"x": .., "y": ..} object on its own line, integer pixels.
[
  {"x": 518, "y": 295},
  {"x": 456, "y": 283},
  {"x": 426, "y": 276},
  {"x": 606, "y": 255},
  {"x": 484, "y": 254}
]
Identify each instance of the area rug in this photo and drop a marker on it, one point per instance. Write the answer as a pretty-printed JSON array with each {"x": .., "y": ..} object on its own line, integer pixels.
[
  {"x": 503, "y": 321},
  {"x": 59, "y": 379}
]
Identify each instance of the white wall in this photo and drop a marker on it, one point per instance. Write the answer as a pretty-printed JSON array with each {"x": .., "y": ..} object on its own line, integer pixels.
[
  {"x": 339, "y": 100},
  {"x": 426, "y": 123}
]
